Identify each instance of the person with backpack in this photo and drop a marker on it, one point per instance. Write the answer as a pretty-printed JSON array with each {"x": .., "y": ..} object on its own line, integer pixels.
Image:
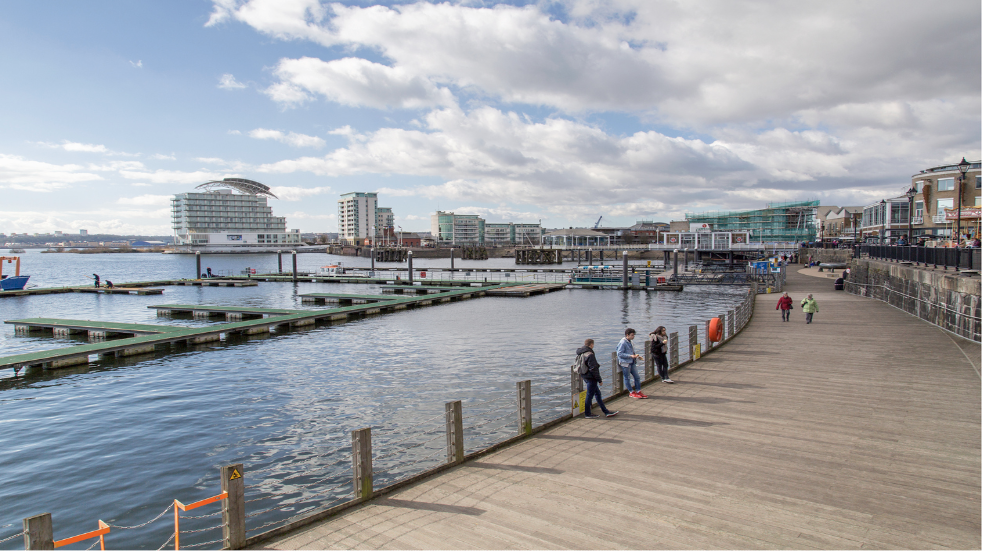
[
  {"x": 589, "y": 370},
  {"x": 628, "y": 361},
  {"x": 810, "y": 307},
  {"x": 784, "y": 304},
  {"x": 659, "y": 349}
]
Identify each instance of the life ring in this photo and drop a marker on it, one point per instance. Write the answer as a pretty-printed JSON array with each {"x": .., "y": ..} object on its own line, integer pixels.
[{"x": 715, "y": 330}]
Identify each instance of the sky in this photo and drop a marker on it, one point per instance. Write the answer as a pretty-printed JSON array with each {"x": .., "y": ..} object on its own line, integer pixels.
[{"x": 552, "y": 111}]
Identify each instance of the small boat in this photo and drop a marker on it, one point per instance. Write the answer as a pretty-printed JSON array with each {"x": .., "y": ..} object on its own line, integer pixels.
[
  {"x": 336, "y": 270},
  {"x": 14, "y": 282},
  {"x": 17, "y": 251}
]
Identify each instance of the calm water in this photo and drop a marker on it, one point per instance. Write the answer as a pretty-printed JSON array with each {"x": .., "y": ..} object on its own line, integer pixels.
[{"x": 120, "y": 439}]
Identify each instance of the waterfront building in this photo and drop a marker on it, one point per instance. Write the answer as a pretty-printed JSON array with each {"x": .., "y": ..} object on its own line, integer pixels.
[
  {"x": 357, "y": 215},
  {"x": 83, "y": 232},
  {"x": 512, "y": 234},
  {"x": 229, "y": 213},
  {"x": 778, "y": 222},
  {"x": 839, "y": 223},
  {"x": 450, "y": 228},
  {"x": 385, "y": 221},
  {"x": 576, "y": 237},
  {"x": 935, "y": 203},
  {"x": 705, "y": 239}
]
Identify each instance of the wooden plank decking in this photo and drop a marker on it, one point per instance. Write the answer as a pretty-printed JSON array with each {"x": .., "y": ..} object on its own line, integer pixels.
[{"x": 860, "y": 430}]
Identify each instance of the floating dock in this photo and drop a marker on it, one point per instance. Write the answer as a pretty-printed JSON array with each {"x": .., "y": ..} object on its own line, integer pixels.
[
  {"x": 341, "y": 299},
  {"x": 97, "y": 330},
  {"x": 526, "y": 290}
]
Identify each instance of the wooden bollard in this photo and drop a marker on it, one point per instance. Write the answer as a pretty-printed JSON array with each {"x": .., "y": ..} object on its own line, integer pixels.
[
  {"x": 673, "y": 350},
  {"x": 279, "y": 262},
  {"x": 524, "y": 407},
  {"x": 649, "y": 362},
  {"x": 233, "y": 507},
  {"x": 693, "y": 339},
  {"x": 361, "y": 462},
  {"x": 618, "y": 377},
  {"x": 294, "y": 265},
  {"x": 38, "y": 533},
  {"x": 576, "y": 392},
  {"x": 455, "y": 432}
]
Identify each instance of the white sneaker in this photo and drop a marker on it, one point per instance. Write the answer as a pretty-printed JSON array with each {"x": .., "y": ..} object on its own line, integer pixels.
[{"x": 669, "y": 381}]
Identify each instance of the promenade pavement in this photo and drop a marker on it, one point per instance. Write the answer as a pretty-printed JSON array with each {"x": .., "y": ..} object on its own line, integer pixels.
[{"x": 861, "y": 430}]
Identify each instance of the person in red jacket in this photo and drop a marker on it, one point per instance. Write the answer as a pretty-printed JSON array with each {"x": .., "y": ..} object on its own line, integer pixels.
[{"x": 784, "y": 304}]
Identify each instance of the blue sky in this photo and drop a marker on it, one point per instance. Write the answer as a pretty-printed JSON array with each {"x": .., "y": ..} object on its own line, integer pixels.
[{"x": 559, "y": 111}]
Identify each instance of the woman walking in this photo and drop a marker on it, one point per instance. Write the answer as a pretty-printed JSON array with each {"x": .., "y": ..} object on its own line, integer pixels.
[
  {"x": 810, "y": 307},
  {"x": 659, "y": 348},
  {"x": 784, "y": 304}
]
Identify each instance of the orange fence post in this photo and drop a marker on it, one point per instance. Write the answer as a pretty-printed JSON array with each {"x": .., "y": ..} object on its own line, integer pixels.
[
  {"x": 102, "y": 531},
  {"x": 178, "y": 506}
]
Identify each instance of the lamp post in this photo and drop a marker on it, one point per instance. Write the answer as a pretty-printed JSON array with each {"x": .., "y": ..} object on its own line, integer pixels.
[
  {"x": 963, "y": 168},
  {"x": 883, "y": 218},
  {"x": 910, "y": 213}
]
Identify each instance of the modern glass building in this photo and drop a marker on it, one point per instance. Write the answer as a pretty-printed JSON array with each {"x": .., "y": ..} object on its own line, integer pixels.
[
  {"x": 218, "y": 217},
  {"x": 778, "y": 222},
  {"x": 447, "y": 227}
]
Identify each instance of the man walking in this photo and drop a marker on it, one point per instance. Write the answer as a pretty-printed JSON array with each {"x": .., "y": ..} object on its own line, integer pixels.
[
  {"x": 627, "y": 360},
  {"x": 592, "y": 379},
  {"x": 809, "y": 306}
]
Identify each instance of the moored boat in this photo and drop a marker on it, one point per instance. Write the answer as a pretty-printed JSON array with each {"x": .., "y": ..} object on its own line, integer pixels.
[{"x": 14, "y": 282}]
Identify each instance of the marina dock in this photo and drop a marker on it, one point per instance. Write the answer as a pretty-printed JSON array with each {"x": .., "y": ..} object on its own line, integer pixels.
[
  {"x": 526, "y": 290},
  {"x": 827, "y": 435}
]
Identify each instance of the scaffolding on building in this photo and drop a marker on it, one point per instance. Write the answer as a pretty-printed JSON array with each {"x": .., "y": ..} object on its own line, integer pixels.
[{"x": 788, "y": 222}]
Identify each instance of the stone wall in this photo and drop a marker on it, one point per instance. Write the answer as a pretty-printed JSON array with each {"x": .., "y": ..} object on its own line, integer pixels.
[
  {"x": 950, "y": 301},
  {"x": 825, "y": 255}
]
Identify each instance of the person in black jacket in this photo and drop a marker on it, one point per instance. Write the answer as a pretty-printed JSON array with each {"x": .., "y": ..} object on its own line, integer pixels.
[{"x": 593, "y": 380}]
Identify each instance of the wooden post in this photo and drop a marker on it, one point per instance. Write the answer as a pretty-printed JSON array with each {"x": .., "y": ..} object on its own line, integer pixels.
[
  {"x": 693, "y": 338},
  {"x": 625, "y": 274},
  {"x": 675, "y": 264},
  {"x": 618, "y": 377},
  {"x": 409, "y": 256},
  {"x": 673, "y": 350},
  {"x": 576, "y": 392},
  {"x": 451, "y": 260},
  {"x": 649, "y": 362},
  {"x": 197, "y": 264},
  {"x": 730, "y": 322},
  {"x": 455, "y": 432},
  {"x": 294, "y": 265},
  {"x": 38, "y": 533},
  {"x": 524, "y": 407},
  {"x": 233, "y": 507},
  {"x": 709, "y": 343},
  {"x": 361, "y": 462},
  {"x": 722, "y": 321}
]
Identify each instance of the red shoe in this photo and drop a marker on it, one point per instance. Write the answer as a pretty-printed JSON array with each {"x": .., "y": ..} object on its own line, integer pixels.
[
  {"x": 641, "y": 394},
  {"x": 633, "y": 395}
]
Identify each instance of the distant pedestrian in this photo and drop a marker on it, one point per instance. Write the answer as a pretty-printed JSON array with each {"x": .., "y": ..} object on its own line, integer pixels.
[
  {"x": 590, "y": 373},
  {"x": 96, "y": 278},
  {"x": 209, "y": 272},
  {"x": 810, "y": 307},
  {"x": 659, "y": 351},
  {"x": 628, "y": 361},
  {"x": 785, "y": 305},
  {"x": 109, "y": 284}
]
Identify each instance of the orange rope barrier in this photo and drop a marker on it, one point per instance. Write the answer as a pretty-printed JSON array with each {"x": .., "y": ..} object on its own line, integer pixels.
[
  {"x": 178, "y": 506},
  {"x": 100, "y": 533}
]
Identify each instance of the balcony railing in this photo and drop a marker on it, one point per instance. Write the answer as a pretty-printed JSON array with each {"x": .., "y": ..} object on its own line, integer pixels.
[
  {"x": 939, "y": 219},
  {"x": 917, "y": 220}
]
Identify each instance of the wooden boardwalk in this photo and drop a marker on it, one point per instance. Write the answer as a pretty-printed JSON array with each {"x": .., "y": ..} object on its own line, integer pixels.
[{"x": 861, "y": 430}]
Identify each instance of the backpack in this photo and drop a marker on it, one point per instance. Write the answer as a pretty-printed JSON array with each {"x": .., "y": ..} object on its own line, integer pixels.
[{"x": 580, "y": 364}]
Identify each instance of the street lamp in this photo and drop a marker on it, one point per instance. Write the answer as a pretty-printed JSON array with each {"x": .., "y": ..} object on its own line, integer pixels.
[
  {"x": 883, "y": 218},
  {"x": 910, "y": 213},
  {"x": 963, "y": 168}
]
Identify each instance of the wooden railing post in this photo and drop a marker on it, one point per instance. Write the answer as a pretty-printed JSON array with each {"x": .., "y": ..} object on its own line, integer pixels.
[
  {"x": 693, "y": 338},
  {"x": 233, "y": 507},
  {"x": 617, "y": 378},
  {"x": 649, "y": 362},
  {"x": 709, "y": 343},
  {"x": 673, "y": 350},
  {"x": 361, "y": 462},
  {"x": 455, "y": 432},
  {"x": 38, "y": 533},
  {"x": 576, "y": 392},
  {"x": 524, "y": 407},
  {"x": 730, "y": 323}
]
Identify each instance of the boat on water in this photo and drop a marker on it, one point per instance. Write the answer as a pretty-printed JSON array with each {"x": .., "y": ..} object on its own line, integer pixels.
[
  {"x": 336, "y": 270},
  {"x": 17, "y": 251},
  {"x": 14, "y": 282}
]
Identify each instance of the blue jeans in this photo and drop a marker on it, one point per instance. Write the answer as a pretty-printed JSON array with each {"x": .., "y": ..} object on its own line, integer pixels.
[
  {"x": 593, "y": 389},
  {"x": 628, "y": 371}
]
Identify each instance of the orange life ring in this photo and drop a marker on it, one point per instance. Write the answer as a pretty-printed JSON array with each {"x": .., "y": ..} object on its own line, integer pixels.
[{"x": 715, "y": 330}]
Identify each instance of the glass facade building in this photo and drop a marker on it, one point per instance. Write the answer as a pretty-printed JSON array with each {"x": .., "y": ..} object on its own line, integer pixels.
[{"x": 227, "y": 219}]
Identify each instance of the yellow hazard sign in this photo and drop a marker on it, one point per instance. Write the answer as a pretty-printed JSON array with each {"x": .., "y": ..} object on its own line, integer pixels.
[{"x": 235, "y": 474}]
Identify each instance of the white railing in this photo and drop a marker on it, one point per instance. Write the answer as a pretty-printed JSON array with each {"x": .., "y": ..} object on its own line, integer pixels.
[
  {"x": 939, "y": 219},
  {"x": 917, "y": 220}
]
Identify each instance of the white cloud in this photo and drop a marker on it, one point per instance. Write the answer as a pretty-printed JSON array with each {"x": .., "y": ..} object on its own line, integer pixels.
[
  {"x": 228, "y": 82},
  {"x": 140, "y": 184},
  {"x": 146, "y": 200},
  {"x": 211, "y": 160},
  {"x": 292, "y": 138},
  {"x": 22, "y": 174},
  {"x": 162, "y": 157},
  {"x": 355, "y": 81},
  {"x": 288, "y": 193},
  {"x": 113, "y": 166},
  {"x": 173, "y": 176},
  {"x": 77, "y": 147},
  {"x": 138, "y": 64}
]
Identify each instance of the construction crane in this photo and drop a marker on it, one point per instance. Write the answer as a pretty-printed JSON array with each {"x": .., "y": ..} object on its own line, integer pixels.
[{"x": 597, "y": 225}]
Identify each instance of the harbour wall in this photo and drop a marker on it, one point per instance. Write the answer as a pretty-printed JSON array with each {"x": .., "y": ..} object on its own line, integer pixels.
[
  {"x": 825, "y": 255},
  {"x": 946, "y": 299}
]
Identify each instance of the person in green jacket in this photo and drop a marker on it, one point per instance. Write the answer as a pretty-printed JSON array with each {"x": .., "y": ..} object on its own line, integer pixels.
[{"x": 809, "y": 306}]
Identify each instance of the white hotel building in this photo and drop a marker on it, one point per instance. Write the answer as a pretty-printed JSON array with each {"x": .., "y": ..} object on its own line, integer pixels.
[{"x": 218, "y": 218}]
